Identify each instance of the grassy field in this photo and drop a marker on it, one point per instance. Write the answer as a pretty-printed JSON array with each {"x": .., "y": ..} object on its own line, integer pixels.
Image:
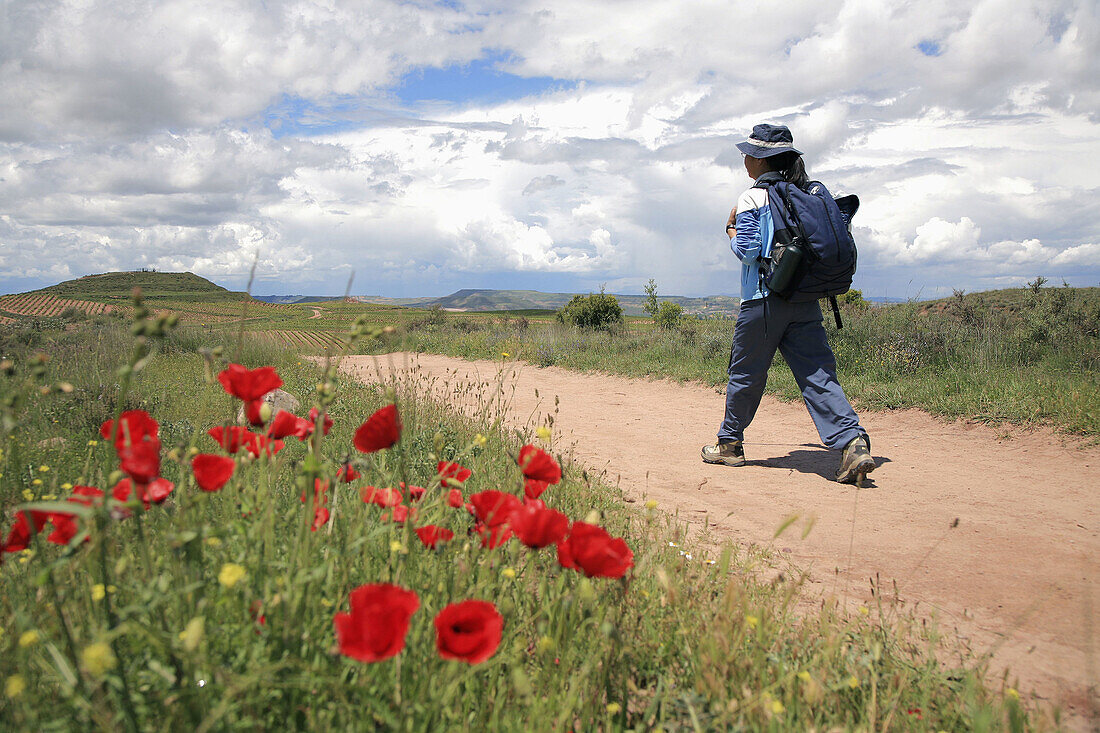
[
  {"x": 1025, "y": 356},
  {"x": 216, "y": 610},
  {"x": 1018, "y": 357}
]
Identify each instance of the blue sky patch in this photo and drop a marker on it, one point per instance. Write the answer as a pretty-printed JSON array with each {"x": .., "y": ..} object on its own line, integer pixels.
[
  {"x": 930, "y": 47},
  {"x": 478, "y": 81}
]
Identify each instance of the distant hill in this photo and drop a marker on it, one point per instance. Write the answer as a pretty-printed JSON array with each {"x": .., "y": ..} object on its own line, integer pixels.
[
  {"x": 292, "y": 299},
  {"x": 513, "y": 300},
  {"x": 114, "y": 286}
]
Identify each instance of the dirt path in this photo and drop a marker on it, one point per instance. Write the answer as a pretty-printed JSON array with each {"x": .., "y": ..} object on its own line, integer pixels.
[
  {"x": 1016, "y": 577},
  {"x": 316, "y": 314}
]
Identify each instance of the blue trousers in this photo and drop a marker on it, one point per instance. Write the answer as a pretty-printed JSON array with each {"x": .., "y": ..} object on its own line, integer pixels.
[{"x": 796, "y": 330}]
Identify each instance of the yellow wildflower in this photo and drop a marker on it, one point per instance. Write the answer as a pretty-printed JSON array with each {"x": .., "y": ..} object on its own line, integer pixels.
[
  {"x": 1013, "y": 693},
  {"x": 98, "y": 592},
  {"x": 752, "y": 621},
  {"x": 804, "y": 676},
  {"x": 14, "y": 686},
  {"x": 66, "y": 486},
  {"x": 37, "y": 482},
  {"x": 543, "y": 433},
  {"x": 213, "y": 541},
  {"x": 505, "y": 354},
  {"x": 613, "y": 708},
  {"x": 853, "y": 682},
  {"x": 777, "y": 707},
  {"x": 28, "y": 495},
  {"x": 480, "y": 440},
  {"x": 28, "y": 638},
  {"x": 508, "y": 573},
  {"x": 191, "y": 635},
  {"x": 98, "y": 659},
  {"x": 49, "y": 497},
  {"x": 93, "y": 442},
  {"x": 231, "y": 574},
  {"x": 864, "y": 611},
  {"x": 545, "y": 644},
  {"x": 43, "y": 468},
  {"x": 396, "y": 546},
  {"x": 651, "y": 504}
]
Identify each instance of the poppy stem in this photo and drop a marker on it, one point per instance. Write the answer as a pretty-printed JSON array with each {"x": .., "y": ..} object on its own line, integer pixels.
[{"x": 112, "y": 621}]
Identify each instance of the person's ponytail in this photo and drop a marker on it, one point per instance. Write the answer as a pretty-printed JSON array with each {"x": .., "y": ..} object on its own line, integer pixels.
[{"x": 791, "y": 167}]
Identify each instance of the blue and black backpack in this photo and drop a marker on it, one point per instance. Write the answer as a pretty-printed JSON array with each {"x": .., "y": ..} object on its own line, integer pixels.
[{"x": 813, "y": 254}]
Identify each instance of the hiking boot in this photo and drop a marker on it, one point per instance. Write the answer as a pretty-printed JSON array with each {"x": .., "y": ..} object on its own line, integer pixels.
[
  {"x": 729, "y": 454},
  {"x": 856, "y": 461}
]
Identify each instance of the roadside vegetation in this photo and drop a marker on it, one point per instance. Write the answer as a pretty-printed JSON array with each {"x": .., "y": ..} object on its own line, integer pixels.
[
  {"x": 1029, "y": 356},
  {"x": 229, "y": 607}
]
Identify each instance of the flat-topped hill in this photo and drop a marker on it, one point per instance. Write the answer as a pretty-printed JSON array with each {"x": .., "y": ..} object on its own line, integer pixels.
[{"x": 113, "y": 286}]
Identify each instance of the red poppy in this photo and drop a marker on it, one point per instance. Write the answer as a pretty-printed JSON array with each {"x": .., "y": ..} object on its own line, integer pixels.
[
  {"x": 257, "y": 444},
  {"x": 378, "y": 623},
  {"x": 321, "y": 516},
  {"x": 347, "y": 473},
  {"x": 249, "y": 384},
  {"x": 452, "y": 474},
  {"x": 287, "y": 423},
  {"x": 135, "y": 426},
  {"x": 20, "y": 534},
  {"x": 381, "y": 497},
  {"x": 537, "y": 464},
  {"x": 231, "y": 438},
  {"x": 141, "y": 460},
  {"x": 454, "y": 498},
  {"x": 154, "y": 492},
  {"x": 65, "y": 527},
  {"x": 416, "y": 493},
  {"x": 468, "y": 631},
  {"x": 212, "y": 472},
  {"x": 493, "y": 537},
  {"x": 494, "y": 507},
  {"x": 431, "y": 535},
  {"x": 86, "y": 495},
  {"x": 255, "y": 610},
  {"x": 313, "y": 413},
  {"x": 533, "y": 488},
  {"x": 380, "y": 431},
  {"x": 320, "y": 493},
  {"x": 593, "y": 551},
  {"x": 252, "y": 412},
  {"x": 537, "y": 526},
  {"x": 400, "y": 514}
]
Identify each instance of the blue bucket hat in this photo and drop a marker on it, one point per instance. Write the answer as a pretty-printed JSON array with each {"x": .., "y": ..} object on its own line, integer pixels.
[{"x": 768, "y": 140}]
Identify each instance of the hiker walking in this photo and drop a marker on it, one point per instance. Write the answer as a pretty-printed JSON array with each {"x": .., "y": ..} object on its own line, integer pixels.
[{"x": 767, "y": 322}]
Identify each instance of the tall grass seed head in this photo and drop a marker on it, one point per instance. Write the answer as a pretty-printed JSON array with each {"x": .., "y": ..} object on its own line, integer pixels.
[{"x": 545, "y": 644}]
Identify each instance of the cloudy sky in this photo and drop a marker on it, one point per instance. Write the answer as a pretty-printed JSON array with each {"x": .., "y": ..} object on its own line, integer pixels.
[{"x": 554, "y": 145}]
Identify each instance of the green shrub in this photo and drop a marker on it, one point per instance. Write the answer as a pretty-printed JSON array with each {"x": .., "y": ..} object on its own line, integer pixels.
[
  {"x": 853, "y": 298},
  {"x": 669, "y": 315},
  {"x": 598, "y": 311}
]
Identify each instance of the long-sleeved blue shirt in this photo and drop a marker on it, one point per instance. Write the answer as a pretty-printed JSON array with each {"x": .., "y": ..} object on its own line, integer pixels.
[{"x": 753, "y": 240}]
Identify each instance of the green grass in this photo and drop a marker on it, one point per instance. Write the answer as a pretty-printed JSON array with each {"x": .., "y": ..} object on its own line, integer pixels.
[
  {"x": 1025, "y": 356},
  {"x": 681, "y": 644},
  {"x": 1019, "y": 357}
]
